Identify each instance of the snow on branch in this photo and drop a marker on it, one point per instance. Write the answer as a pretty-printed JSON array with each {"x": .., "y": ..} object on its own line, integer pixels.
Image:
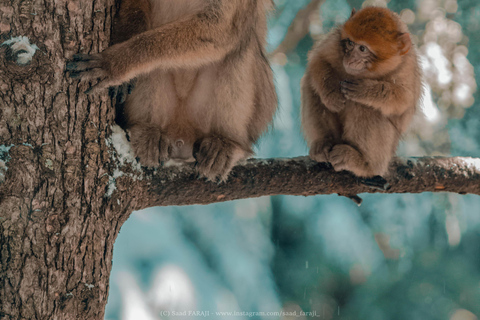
[{"x": 302, "y": 177}]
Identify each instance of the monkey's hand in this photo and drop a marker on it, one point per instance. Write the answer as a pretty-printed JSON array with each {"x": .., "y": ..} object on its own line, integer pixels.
[
  {"x": 216, "y": 157},
  {"x": 320, "y": 149},
  {"x": 360, "y": 90},
  {"x": 150, "y": 145},
  {"x": 87, "y": 67},
  {"x": 388, "y": 97}
]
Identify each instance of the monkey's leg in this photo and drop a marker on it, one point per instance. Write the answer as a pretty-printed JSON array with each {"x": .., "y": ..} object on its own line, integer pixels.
[
  {"x": 230, "y": 110},
  {"x": 321, "y": 127},
  {"x": 148, "y": 111},
  {"x": 369, "y": 141},
  {"x": 249, "y": 101},
  {"x": 265, "y": 100}
]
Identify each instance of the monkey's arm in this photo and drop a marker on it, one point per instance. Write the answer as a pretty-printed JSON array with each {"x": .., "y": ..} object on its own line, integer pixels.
[
  {"x": 388, "y": 97},
  {"x": 326, "y": 83},
  {"x": 192, "y": 42}
]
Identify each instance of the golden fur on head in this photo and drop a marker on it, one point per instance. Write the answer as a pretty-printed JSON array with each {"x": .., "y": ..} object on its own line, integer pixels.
[{"x": 380, "y": 28}]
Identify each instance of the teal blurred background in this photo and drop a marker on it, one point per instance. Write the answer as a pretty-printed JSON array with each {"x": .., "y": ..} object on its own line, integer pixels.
[{"x": 395, "y": 257}]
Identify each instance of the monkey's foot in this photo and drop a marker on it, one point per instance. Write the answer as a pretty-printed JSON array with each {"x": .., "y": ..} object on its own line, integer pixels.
[
  {"x": 150, "y": 145},
  {"x": 216, "y": 157},
  {"x": 345, "y": 157},
  {"x": 320, "y": 149}
]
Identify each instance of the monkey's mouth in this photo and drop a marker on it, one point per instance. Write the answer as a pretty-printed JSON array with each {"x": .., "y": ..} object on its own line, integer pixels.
[{"x": 354, "y": 68}]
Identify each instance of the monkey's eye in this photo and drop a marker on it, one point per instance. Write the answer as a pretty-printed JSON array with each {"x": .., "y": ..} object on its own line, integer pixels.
[
  {"x": 350, "y": 43},
  {"x": 363, "y": 48}
]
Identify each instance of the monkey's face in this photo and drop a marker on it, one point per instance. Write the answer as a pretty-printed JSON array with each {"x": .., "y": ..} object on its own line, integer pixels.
[{"x": 358, "y": 59}]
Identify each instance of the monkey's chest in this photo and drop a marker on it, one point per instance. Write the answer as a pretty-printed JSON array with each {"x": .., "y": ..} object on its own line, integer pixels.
[
  {"x": 179, "y": 102},
  {"x": 184, "y": 82}
]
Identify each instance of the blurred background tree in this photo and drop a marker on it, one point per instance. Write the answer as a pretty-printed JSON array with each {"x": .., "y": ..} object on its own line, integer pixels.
[{"x": 395, "y": 257}]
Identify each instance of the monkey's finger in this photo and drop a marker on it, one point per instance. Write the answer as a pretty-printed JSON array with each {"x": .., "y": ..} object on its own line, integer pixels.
[
  {"x": 203, "y": 150},
  {"x": 83, "y": 65},
  {"x": 113, "y": 92},
  {"x": 221, "y": 163},
  {"x": 165, "y": 149},
  {"x": 340, "y": 166},
  {"x": 348, "y": 86},
  {"x": 227, "y": 168},
  {"x": 132, "y": 85},
  {"x": 319, "y": 157},
  {"x": 100, "y": 86},
  {"x": 336, "y": 159},
  {"x": 89, "y": 74},
  {"x": 122, "y": 92},
  {"x": 86, "y": 57},
  {"x": 209, "y": 161}
]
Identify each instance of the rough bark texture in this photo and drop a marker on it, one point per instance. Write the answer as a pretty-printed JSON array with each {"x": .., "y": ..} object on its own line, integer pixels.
[
  {"x": 56, "y": 227},
  {"x": 65, "y": 191}
]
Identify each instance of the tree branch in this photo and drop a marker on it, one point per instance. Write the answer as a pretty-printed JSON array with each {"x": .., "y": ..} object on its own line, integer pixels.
[{"x": 299, "y": 176}]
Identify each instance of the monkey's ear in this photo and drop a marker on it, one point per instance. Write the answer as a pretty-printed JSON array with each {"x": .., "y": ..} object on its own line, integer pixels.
[
  {"x": 404, "y": 43},
  {"x": 353, "y": 12}
]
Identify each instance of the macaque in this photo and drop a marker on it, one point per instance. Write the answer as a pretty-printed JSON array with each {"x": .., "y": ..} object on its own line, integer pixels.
[
  {"x": 197, "y": 83},
  {"x": 360, "y": 92}
]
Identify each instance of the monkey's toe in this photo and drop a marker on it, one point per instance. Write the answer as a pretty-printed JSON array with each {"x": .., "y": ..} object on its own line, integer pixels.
[
  {"x": 343, "y": 157},
  {"x": 216, "y": 157},
  {"x": 320, "y": 149}
]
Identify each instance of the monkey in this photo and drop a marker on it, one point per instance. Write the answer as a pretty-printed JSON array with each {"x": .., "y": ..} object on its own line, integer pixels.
[
  {"x": 200, "y": 88},
  {"x": 360, "y": 92}
]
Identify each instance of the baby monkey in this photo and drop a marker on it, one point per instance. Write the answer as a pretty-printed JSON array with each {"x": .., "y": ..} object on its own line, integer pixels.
[
  {"x": 204, "y": 90},
  {"x": 360, "y": 92}
]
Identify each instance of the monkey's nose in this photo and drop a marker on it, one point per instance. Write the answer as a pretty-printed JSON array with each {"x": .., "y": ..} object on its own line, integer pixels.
[{"x": 179, "y": 143}]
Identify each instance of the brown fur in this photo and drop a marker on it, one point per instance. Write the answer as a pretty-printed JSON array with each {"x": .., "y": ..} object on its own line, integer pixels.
[
  {"x": 204, "y": 87},
  {"x": 357, "y": 102}
]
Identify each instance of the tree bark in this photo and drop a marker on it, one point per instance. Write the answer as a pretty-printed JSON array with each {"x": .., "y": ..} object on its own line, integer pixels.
[
  {"x": 67, "y": 185},
  {"x": 56, "y": 227}
]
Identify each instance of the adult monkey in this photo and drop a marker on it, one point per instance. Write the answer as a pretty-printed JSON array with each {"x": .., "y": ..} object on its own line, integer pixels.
[
  {"x": 204, "y": 89},
  {"x": 360, "y": 92}
]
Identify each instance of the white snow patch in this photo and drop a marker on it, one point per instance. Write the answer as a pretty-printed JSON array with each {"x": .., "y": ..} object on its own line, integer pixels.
[
  {"x": 112, "y": 186},
  {"x": 89, "y": 286},
  {"x": 22, "y": 43},
  {"x": 122, "y": 155},
  {"x": 123, "y": 150}
]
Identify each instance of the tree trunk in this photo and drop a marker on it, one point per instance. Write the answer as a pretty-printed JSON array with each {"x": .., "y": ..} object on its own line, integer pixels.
[
  {"x": 57, "y": 228},
  {"x": 65, "y": 190}
]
